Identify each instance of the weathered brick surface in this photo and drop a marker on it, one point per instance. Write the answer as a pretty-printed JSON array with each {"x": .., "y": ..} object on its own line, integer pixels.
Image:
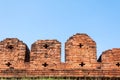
[
  {"x": 45, "y": 54},
  {"x": 44, "y": 59},
  {"x": 110, "y": 59},
  {"x": 81, "y": 51},
  {"x": 13, "y": 54}
]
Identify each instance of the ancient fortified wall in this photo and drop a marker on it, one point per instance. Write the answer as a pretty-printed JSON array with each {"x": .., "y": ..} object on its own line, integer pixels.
[{"x": 16, "y": 60}]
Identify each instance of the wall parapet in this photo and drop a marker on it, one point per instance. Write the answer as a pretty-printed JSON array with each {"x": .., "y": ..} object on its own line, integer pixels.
[{"x": 44, "y": 58}]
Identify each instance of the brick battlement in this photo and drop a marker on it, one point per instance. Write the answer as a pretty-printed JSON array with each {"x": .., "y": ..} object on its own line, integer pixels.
[{"x": 16, "y": 60}]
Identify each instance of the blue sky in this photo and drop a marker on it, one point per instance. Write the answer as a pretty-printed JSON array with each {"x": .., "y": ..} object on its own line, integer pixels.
[{"x": 30, "y": 20}]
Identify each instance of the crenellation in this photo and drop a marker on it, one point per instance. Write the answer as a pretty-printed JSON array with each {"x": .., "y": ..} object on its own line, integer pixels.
[
  {"x": 110, "y": 59},
  {"x": 78, "y": 50},
  {"x": 44, "y": 59},
  {"x": 45, "y": 54},
  {"x": 12, "y": 53}
]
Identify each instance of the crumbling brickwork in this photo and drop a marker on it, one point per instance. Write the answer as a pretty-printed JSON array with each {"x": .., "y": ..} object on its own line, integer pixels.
[{"x": 44, "y": 60}]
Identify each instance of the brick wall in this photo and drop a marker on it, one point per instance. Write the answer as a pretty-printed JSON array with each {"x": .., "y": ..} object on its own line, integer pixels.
[
  {"x": 110, "y": 59},
  {"x": 81, "y": 51},
  {"x": 44, "y": 59},
  {"x": 45, "y": 54},
  {"x": 12, "y": 54}
]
